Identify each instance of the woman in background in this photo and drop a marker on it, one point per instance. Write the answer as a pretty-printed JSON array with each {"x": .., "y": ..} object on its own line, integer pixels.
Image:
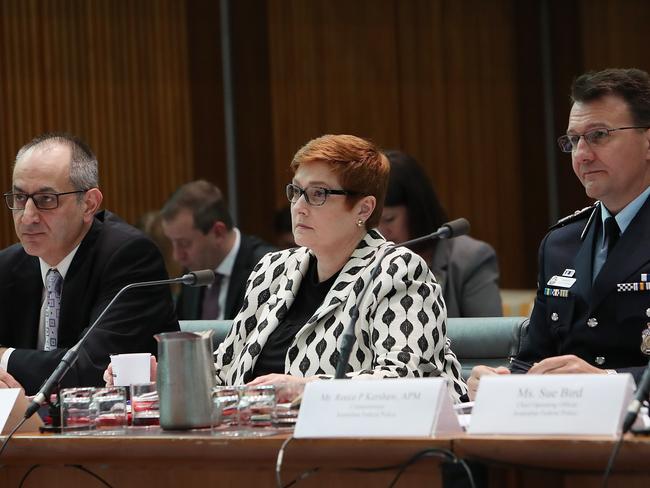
[{"x": 466, "y": 268}]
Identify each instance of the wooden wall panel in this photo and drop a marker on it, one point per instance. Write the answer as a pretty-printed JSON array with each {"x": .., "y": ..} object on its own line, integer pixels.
[
  {"x": 114, "y": 73},
  {"x": 333, "y": 70},
  {"x": 435, "y": 78}
]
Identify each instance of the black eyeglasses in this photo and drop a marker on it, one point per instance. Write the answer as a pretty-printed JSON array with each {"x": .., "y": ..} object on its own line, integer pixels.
[
  {"x": 314, "y": 195},
  {"x": 569, "y": 142},
  {"x": 42, "y": 200}
]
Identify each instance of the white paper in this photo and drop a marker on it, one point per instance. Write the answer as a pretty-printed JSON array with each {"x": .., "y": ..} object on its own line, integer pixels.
[
  {"x": 131, "y": 369},
  {"x": 411, "y": 407},
  {"x": 581, "y": 404},
  {"x": 13, "y": 405}
]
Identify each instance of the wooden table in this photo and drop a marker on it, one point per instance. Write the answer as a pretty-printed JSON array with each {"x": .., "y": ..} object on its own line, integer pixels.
[
  {"x": 558, "y": 461},
  {"x": 146, "y": 458},
  {"x": 201, "y": 459}
]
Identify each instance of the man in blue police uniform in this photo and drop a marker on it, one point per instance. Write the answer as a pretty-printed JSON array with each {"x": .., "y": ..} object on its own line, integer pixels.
[{"x": 592, "y": 311}]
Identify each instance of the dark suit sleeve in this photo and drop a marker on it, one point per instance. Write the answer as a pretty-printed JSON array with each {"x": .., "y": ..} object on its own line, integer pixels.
[
  {"x": 480, "y": 295},
  {"x": 129, "y": 326},
  {"x": 538, "y": 342}
]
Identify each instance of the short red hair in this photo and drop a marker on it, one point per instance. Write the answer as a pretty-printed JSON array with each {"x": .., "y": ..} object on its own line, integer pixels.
[{"x": 358, "y": 164}]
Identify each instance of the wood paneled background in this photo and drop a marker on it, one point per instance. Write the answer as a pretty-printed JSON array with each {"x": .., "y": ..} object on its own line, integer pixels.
[{"x": 457, "y": 83}]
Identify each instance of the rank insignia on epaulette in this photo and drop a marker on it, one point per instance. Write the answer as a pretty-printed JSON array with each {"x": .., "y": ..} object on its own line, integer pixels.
[
  {"x": 626, "y": 287},
  {"x": 556, "y": 292}
]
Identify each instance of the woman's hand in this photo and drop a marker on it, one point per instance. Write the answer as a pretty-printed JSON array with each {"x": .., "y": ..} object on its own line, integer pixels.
[
  {"x": 153, "y": 368},
  {"x": 477, "y": 373}
]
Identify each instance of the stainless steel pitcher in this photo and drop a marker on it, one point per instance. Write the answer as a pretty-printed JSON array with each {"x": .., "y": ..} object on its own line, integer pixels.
[{"x": 185, "y": 379}]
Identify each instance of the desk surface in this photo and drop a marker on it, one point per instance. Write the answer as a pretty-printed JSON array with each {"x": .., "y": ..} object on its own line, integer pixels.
[{"x": 155, "y": 458}]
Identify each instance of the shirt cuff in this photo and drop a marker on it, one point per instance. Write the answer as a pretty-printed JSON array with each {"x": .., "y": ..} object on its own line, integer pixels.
[{"x": 4, "y": 360}]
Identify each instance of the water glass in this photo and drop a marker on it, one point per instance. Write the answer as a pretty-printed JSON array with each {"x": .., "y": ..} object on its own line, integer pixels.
[
  {"x": 76, "y": 414},
  {"x": 288, "y": 397},
  {"x": 256, "y": 406},
  {"x": 108, "y": 408},
  {"x": 225, "y": 400},
  {"x": 144, "y": 405}
]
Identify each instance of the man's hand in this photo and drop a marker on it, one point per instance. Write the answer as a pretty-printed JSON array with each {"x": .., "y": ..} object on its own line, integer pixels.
[
  {"x": 108, "y": 372},
  {"x": 477, "y": 373},
  {"x": 568, "y": 364},
  {"x": 8, "y": 381}
]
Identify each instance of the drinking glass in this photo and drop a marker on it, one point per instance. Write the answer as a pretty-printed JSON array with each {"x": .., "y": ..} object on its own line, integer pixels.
[
  {"x": 256, "y": 406},
  {"x": 225, "y": 400},
  {"x": 108, "y": 408},
  {"x": 288, "y": 397},
  {"x": 144, "y": 405},
  {"x": 75, "y": 409}
]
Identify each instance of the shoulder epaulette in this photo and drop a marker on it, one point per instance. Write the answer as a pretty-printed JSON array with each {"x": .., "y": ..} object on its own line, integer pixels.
[{"x": 575, "y": 216}]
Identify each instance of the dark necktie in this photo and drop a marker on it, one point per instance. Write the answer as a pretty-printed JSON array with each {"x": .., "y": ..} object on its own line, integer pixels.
[
  {"x": 210, "y": 309},
  {"x": 54, "y": 283},
  {"x": 612, "y": 233}
]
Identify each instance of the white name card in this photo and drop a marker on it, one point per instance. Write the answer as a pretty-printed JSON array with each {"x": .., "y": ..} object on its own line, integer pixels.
[
  {"x": 409, "y": 407},
  {"x": 13, "y": 404},
  {"x": 578, "y": 404}
]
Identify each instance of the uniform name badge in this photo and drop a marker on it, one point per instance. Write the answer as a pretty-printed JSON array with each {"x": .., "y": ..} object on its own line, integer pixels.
[{"x": 561, "y": 281}]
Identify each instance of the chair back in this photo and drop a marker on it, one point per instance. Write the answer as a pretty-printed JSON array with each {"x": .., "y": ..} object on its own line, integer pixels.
[
  {"x": 490, "y": 341},
  {"x": 220, "y": 328}
]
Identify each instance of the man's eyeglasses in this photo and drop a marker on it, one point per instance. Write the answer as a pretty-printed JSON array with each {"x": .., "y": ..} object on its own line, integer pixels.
[
  {"x": 314, "y": 195},
  {"x": 569, "y": 142},
  {"x": 42, "y": 200}
]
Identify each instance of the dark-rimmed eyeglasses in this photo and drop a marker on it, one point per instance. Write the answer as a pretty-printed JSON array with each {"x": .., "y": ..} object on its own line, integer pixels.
[
  {"x": 569, "y": 142},
  {"x": 42, "y": 200},
  {"x": 314, "y": 195}
]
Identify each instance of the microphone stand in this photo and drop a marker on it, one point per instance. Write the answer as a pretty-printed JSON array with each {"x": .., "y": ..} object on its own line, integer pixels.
[
  {"x": 449, "y": 230},
  {"x": 198, "y": 278}
]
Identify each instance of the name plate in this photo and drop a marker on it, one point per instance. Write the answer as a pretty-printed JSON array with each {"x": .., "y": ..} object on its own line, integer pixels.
[
  {"x": 13, "y": 404},
  {"x": 578, "y": 404},
  {"x": 410, "y": 407}
]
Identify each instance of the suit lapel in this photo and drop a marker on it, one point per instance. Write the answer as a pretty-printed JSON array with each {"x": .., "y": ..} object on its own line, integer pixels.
[
  {"x": 583, "y": 262},
  {"x": 631, "y": 253},
  {"x": 29, "y": 293}
]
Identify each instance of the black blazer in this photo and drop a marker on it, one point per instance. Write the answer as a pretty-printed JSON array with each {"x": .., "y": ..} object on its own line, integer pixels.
[
  {"x": 561, "y": 324},
  {"x": 251, "y": 250},
  {"x": 111, "y": 255}
]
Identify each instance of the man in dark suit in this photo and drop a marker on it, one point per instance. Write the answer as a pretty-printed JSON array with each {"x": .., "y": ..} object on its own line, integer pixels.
[
  {"x": 592, "y": 311},
  {"x": 71, "y": 261},
  {"x": 200, "y": 228}
]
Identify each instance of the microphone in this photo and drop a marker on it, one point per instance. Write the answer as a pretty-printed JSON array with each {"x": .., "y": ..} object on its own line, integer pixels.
[
  {"x": 203, "y": 277},
  {"x": 641, "y": 394},
  {"x": 455, "y": 228},
  {"x": 448, "y": 230}
]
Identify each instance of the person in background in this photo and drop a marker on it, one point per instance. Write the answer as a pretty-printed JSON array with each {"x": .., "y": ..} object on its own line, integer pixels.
[
  {"x": 151, "y": 224},
  {"x": 71, "y": 261},
  {"x": 466, "y": 268},
  {"x": 201, "y": 231},
  {"x": 592, "y": 312}
]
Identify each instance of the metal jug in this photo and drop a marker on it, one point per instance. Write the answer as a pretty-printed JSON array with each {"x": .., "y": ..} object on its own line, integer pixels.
[{"x": 185, "y": 379}]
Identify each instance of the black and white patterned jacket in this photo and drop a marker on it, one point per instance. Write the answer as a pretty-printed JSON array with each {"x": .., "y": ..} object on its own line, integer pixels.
[{"x": 400, "y": 331}]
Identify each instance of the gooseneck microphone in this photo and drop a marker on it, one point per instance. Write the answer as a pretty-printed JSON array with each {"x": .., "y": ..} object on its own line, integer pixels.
[
  {"x": 641, "y": 394},
  {"x": 195, "y": 278},
  {"x": 454, "y": 228}
]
